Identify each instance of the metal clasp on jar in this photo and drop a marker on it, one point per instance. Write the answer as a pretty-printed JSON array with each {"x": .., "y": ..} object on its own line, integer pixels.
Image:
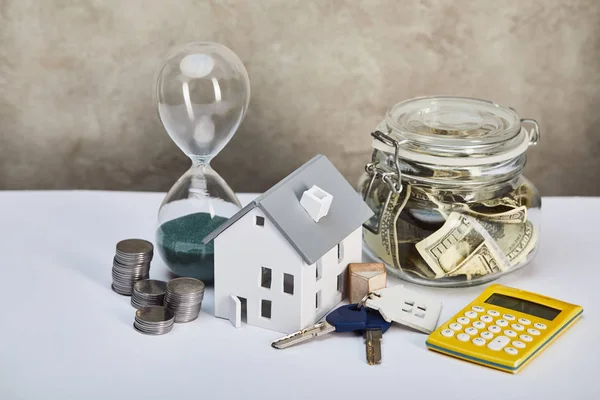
[
  {"x": 391, "y": 178},
  {"x": 534, "y": 133}
]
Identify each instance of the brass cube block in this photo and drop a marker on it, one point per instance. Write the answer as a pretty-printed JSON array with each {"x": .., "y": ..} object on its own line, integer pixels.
[{"x": 365, "y": 278}]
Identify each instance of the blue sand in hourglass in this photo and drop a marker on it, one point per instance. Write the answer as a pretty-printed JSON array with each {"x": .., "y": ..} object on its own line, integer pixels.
[{"x": 179, "y": 243}]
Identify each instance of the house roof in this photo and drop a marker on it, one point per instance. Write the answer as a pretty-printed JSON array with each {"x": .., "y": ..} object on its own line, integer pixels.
[{"x": 281, "y": 206}]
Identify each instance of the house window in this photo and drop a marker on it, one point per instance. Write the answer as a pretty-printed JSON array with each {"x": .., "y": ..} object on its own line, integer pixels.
[
  {"x": 266, "y": 277},
  {"x": 340, "y": 282},
  {"x": 244, "y": 309},
  {"x": 318, "y": 300},
  {"x": 319, "y": 270},
  {"x": 340, "y": 252},
  {"x": 265, "y": 309},
  {"x": 288, "y": 283},
  {"x": 260, "y": 221}
]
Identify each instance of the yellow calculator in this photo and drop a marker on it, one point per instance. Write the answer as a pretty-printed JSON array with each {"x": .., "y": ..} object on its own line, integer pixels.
[{"x": 504, "y": 328}]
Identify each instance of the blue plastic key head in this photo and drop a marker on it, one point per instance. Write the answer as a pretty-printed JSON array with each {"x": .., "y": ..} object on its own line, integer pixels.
[
  {"x": 376, "y": 321},
  {"x": 348, "y": 318}
]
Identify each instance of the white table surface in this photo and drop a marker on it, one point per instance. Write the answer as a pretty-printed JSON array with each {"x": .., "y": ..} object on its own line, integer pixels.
[{"x": 65, "y": 335}]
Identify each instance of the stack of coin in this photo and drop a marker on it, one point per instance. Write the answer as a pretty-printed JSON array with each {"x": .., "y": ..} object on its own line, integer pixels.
[
  {"x": 148, "y": 292},
  {"x": 184, "y": 297},
  {"x": 131, "y": 264},
  {"x": 154, "y": 320}
]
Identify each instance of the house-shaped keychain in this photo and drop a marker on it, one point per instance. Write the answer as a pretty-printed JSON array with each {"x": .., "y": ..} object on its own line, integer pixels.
[{"x": 281, "y": 262}]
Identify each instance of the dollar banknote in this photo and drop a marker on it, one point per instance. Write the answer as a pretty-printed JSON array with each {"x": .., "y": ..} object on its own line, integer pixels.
[
  {"x": 384, "y": 239},
  {"x": 485, "y": 259},
  {"x": 433, "y": 235},
  {"x": 516, "y": 215},
  {"x": 446, "y": 249},
  {"x": 515, "y": 241}
]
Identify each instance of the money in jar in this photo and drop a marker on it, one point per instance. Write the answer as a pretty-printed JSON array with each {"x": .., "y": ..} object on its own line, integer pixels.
[{"x": 446, "y": 184}]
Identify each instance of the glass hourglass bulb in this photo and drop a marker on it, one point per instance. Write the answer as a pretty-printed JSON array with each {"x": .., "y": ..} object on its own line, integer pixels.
[{"x": 201, "y": 92}]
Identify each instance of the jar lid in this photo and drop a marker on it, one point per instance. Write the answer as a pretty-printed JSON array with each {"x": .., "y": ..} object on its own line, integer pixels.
[{"x": 455, "y": 131}]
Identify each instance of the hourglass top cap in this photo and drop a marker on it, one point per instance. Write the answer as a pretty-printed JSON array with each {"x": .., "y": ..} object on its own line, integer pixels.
[{"x": 201, "y": 91}]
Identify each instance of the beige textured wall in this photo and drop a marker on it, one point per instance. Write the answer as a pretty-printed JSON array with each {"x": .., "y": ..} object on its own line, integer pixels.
[{"x": 76, "y": 79}]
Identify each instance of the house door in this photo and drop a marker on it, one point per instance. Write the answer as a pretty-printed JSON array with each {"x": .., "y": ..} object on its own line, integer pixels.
[{"x": 237, "y": 311}]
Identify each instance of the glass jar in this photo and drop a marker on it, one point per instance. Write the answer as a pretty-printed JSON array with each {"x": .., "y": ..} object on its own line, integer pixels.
[{"x": 445, "y": 182}]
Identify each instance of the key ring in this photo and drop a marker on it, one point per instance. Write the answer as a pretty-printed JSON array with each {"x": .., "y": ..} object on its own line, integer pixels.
[{"x": 362, "y": 302}]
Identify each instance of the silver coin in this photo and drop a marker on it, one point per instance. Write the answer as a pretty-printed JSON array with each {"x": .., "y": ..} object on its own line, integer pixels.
[
  {"x": 185, "y": 286},
  {"x": 150, "y": 287},
  {"x": 154, "y": 314},
  {"x": 120, "y": 291},
  {"x": 135, "y": 246},
  {"x": 152, "y": 333}
]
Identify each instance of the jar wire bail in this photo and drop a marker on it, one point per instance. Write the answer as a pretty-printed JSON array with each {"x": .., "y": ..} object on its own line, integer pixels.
[
  {"x": 534, "y": 133},
  {"x": 391, "y": 178}
]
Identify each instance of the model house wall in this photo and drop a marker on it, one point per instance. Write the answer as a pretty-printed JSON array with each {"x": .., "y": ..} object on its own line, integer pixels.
[
  {"x": 240, "y": 254},
  {"x": 327, "y": 289}
]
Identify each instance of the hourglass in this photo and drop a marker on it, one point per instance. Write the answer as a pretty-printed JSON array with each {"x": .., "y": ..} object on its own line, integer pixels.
[{"x": 201, "y": 92}]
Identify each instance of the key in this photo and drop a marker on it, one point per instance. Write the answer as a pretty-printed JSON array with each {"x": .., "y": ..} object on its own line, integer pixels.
[
  {"x": 346, "y": 318},
  {"x": 373, "y": 345},
  {"x": 392, "y": 301},
  {"x": 373, "y": 332}
]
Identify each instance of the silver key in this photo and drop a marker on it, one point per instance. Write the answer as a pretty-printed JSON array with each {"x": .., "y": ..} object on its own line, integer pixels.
[
  {"x": 318, "y": 329},
  {"x": 373, "y": 345}
]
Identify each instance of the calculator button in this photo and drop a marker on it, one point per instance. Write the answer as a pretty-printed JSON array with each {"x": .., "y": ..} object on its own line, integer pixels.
[
  {"x": 517, "y": 327},
  {"x": 524, "y": 321},
  {"x": 511, "y": 350},
  {"x": 477, "y": 308},
  {"x": 508, "y": 317},
  {"x": 471, "y": 331},
  {"x": 493, "y": 313},
  {"x": 486, "y": 319},
  {"x": 533, "y": 332},
  {"x": 471, "y": 314},
  {"x": 526, "y": 338},
  {"x": 409, "y": 302},
  {"x": 502, "y": 322},
  {"x": 518, "y": 344},
  {"x": 448, "y": 332},
  {"x": 498, "y": 343},
  {"x": 463, "y": 337},
  {"x": 540, "y": 326},
  {"x": 463, "y": 320},
  {"x": 494, "y": 329},
  {"x": 407, "y": 309},
  {"x": 510, "y": 333},
  {"x": 478, "y": 341},
  {"x": 420, "y": 314},
  {"x": 478, "y": 325},
  {"x": 487, "y": 335},
  {"x": 456, "y": 327}
]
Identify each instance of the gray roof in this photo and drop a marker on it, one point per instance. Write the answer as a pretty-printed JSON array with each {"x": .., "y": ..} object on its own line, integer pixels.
[{"x": 281, "y": 205}]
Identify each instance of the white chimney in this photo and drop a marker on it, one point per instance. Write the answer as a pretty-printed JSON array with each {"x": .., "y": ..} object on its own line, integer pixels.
[{"x": 316, "y": 202}]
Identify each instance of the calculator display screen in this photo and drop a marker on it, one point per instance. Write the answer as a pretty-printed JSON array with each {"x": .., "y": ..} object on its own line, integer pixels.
[{"x": 524, "y": 306}]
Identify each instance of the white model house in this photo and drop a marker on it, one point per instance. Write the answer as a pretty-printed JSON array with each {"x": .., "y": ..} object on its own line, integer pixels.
[{"x": 281, "y": 262}]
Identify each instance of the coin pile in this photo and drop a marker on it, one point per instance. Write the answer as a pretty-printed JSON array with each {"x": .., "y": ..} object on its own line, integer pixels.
[
  {"x": 154, "y": 320},
  {"x": 147, "y": 293},
  {"x": 131, "y": 264},
  {"x": 184, "y": 297}
]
